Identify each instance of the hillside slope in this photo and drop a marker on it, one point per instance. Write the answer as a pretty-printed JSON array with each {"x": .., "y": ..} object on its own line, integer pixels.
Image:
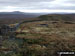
[
  {"x": 57, "y": 17},
  {"x": 46, "y": 38}
]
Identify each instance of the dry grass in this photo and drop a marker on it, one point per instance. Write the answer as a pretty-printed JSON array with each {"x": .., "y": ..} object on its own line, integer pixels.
[{"x": 55, "y": 37}]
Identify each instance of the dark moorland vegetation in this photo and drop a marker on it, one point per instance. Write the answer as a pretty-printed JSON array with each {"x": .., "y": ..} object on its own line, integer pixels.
[{"x": 43, "y": 37}]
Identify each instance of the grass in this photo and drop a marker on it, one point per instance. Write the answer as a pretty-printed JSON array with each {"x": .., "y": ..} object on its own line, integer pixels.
[{"x": 34, "y": 40}]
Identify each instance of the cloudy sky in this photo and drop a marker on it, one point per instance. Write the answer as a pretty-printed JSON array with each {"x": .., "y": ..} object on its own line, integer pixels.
[{"x": 38, "y": 6}]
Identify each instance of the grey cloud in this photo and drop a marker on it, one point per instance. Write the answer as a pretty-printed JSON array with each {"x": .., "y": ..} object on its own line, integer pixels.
[
  {"x": 36, "y": 4},
  {"x": 55, "y": 8},
  {"x": 23, "y": 1}
]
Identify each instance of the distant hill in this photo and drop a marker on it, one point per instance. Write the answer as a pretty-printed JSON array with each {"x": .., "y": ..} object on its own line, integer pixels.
[
  {"x": 18, "y": 15},
  {"x": 56, "y": 17},
  {"x": 22, "y": 15}
]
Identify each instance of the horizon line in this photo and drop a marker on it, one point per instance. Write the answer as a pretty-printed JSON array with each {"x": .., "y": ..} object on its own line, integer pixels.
[{"x": 40, "y": 11}]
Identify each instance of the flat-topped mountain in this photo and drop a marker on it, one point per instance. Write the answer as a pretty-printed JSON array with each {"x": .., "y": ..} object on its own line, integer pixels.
[{"x": 18, "y": 15}]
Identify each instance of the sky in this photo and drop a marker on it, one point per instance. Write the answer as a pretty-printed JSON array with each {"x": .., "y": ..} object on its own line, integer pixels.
[{"x": 37, "y": 6}]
